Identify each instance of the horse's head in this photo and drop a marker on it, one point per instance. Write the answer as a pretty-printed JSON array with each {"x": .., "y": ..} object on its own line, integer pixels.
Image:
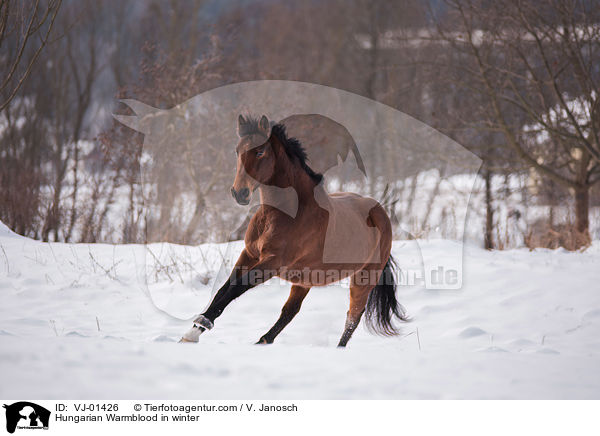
[{"x": 255, "y": 158}]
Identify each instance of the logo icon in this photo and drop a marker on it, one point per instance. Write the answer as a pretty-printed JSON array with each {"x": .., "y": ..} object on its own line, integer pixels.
[{"x": 26, "y": 415}]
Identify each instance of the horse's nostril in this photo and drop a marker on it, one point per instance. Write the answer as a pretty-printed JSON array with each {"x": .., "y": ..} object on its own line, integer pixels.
[{"x": 242, "y": 196}]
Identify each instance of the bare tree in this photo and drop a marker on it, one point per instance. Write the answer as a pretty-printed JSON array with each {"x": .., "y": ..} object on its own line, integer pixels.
[
  {"x": 25, "y": 29},
  {"x": 70, "y": 76},
  {"x": 534, "y": 69}
]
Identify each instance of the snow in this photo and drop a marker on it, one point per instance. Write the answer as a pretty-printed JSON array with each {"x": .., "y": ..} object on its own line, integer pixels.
[{"x": 101, "y": 321}]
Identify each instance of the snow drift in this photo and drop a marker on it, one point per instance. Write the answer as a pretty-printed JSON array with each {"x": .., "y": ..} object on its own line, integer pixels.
[{"x": 87, "y": 321}]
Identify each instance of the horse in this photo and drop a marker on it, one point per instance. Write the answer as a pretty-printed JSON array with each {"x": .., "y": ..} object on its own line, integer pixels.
[{"x": 306, "y": 236}]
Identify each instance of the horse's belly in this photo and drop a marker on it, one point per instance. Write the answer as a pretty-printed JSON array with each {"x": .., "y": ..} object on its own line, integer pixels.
[{"x": 318, "y": 275}]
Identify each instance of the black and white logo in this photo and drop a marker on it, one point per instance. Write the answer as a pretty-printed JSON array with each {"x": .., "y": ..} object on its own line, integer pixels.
[{"x": 26, "y": 415}]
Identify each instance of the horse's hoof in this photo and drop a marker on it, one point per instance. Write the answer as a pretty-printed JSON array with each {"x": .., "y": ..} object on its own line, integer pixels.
[
  {"x": 193, "y": 334},
  {"x": 263, "y": 341},
  {"x": 186, "y": 341}
]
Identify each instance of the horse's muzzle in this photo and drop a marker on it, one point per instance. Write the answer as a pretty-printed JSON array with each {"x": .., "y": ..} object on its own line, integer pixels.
[{"x": 242, "y": 196}]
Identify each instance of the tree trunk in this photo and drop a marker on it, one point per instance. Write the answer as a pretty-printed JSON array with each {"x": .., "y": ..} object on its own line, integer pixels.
[
  {"x": 489, "y": 213},
  {"x": 582, "y": 206}
]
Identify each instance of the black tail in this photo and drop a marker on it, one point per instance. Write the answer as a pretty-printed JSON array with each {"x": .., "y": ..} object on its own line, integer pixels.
[{"x": 382, "y": 305}]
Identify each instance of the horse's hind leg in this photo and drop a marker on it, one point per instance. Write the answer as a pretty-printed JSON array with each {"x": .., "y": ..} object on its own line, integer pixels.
[
  {"x": 288, "y": 312},
  {"x": 358, "y": 301}
]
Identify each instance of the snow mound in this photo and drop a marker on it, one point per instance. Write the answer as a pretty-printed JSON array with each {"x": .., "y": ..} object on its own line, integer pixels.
[
  {"x": 83, "y": 319},
  {"x": 6, "y": 232}
]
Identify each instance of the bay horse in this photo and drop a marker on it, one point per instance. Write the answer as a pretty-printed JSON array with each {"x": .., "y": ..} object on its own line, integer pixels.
[{"x": 306, "y": 236}]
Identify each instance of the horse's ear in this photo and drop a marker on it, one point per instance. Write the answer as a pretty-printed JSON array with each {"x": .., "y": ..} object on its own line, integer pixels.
[
  {"x": 241, "y": 122},
  {"x": 263, "y": 126}
]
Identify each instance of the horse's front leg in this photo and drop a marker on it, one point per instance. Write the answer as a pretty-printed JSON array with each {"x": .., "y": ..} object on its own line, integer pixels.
[
  {"x": 248, "y": 273},
  {"x": 289, "y": 311}
]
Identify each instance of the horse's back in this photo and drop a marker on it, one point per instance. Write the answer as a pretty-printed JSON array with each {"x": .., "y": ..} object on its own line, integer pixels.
[{"x": 356, "y": 229}]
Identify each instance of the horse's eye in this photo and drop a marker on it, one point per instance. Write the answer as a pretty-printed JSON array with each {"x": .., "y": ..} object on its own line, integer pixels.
[{"x": 260, "y": 152}]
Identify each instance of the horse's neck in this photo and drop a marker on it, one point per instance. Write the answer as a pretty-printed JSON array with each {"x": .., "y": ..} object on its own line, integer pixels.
[
  {"x": 300, "y": 192},
  {"x": 284, "y": 199},
  {"x": 322, "y": 198}
]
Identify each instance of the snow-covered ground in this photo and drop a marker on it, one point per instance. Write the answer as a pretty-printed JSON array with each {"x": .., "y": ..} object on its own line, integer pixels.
[{"x": 77, "y": 321}]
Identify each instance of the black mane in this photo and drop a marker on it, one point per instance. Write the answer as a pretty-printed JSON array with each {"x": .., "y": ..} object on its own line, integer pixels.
[{"x": 292, "y": 146}]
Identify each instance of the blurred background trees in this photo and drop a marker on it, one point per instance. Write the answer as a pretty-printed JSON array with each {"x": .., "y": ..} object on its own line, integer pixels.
[{"x": 514, "y": 82}]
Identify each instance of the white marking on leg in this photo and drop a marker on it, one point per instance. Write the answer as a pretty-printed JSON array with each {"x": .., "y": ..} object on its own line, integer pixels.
[{"x": 193, "y": 334}]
